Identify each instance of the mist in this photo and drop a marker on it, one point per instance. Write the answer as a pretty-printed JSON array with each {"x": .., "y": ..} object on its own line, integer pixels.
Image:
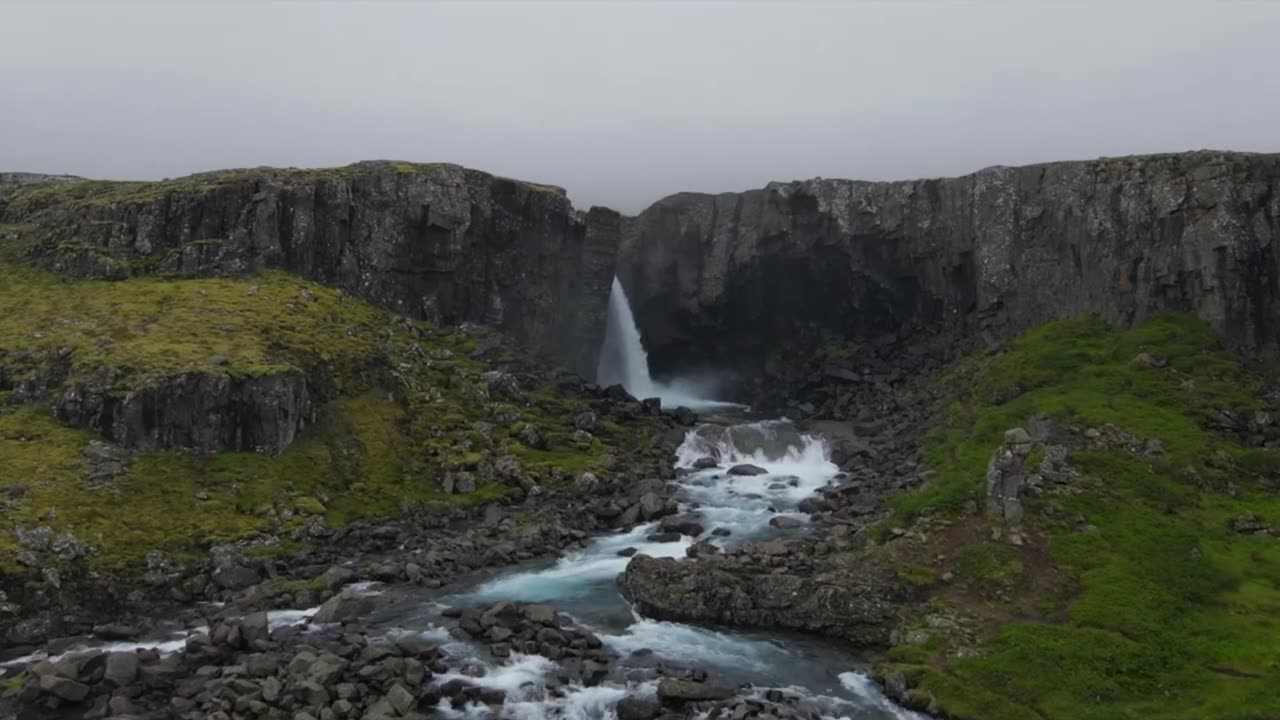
[{"x": 623, "y": 103}]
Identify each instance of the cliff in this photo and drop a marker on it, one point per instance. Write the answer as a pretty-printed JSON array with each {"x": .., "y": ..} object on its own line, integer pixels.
[
  {"x": 437, "y": 242},
  {"x": 725, "y": 280}
]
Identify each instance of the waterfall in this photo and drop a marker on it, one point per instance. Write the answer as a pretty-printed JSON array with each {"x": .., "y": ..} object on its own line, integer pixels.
[{"x": 623, "y": 361}]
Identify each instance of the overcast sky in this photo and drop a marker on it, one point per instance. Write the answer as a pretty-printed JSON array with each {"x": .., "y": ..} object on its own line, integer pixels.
[{"x": 623, "y": 103}]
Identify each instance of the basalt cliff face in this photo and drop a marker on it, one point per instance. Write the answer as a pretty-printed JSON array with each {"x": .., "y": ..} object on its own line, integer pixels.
[
  {"x": 726, "y": 280},
  {"x": 438, "y": 242}
]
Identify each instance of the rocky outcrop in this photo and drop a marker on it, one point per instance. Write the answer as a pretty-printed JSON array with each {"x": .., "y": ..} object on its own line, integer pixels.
[
  {"x": 724, "y": 280},
  {"x": 207, "y": 412},
  {"x": 769, "y": 585},
  {"x": 439, "y": 242}
]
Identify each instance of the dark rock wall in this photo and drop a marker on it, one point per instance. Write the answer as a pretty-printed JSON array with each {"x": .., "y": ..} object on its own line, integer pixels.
[
  {"x": 439, "y": 242},
  {"x": 724, "y": 280}
]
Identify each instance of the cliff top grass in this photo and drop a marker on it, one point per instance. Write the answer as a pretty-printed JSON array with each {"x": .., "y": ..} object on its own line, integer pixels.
[
  {"x": 31, "y": 198},
  {"x": 407, "y": 404},
  {"x": 1134, "y": 597},
  {"x": 151, "y": 327}
]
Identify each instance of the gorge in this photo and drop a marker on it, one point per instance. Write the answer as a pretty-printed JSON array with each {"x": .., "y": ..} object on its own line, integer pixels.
[{"x": 400, "y": 440}]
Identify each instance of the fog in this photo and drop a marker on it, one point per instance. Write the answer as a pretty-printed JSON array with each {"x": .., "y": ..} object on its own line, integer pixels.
[{"x": 624, "y": 103}]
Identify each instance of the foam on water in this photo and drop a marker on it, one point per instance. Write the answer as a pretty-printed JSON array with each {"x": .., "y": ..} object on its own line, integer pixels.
[
  {"x": 867, "y": 689},
  {"x": 579, "y": 573},
  {"x": 286, "y": 618},
  {"x": 173, "y": 643},
  {"x": 524, "y": 682},
  {"x": 692, "y": 645}
]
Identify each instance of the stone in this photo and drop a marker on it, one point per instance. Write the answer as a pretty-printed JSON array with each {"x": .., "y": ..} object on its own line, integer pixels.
[
  {"x": 663, "y": 537},
  {"x": 254, "y": 627},
  {"x": 64, "y": 688},
  {"x": 785, "y": 522},
  {"x": 234, "y": 577},
  {"x": 335, "y": 577},
  {"x": 746, "y": 469},
  {"x": 540, "y": 614},
  {"x": 401, "y": 699},
  {"x": 705, "y": 463},
  {"x": 121, "y": 668},
  {"x": 344, "y": 607},
  {"x": 676, "y": 692},
  {"x": 652, "y": 507},
  {"x": 633, "y": 708},
  {"x": 682, "y": 524},
  {"x": 271, "y": 689}
]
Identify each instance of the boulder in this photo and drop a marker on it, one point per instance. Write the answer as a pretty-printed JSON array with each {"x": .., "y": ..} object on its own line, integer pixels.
[
  {"x": 64, "y": 688},
  {"x": 344, "y": 607},
  {"x": 634, "y": 708},
  {"x": 674, "y": 692},
  {"x": 746, "y": 469},
  {"x": 121, "y": 668}
]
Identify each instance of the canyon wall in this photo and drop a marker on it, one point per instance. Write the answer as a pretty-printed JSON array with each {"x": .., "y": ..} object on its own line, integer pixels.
[
  {"x": 726, "y": 280},
  {"x": 437, "y": 241}
]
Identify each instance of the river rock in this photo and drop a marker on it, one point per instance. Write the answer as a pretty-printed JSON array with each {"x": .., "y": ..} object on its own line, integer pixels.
[
  {"x": 634, "y": 708},
  {"x": 120, "y": 668},
  {"x": 682, "y": 524},
  {"x": 746, "y": 469},
  {"x": 785, "y": 522},
  {"x": 64, "y": 688},
  {"x": 676, "y": 692},
  {"x": 345, "y": 606},
  {"x": 854, "y": 600}
]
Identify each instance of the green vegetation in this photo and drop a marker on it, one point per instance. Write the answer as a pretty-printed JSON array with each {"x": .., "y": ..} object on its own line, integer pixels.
[
  {"x": 403, "y": 403},
  {"x": 1171, "y": 613},
  {"x": 987, "y": 561}
]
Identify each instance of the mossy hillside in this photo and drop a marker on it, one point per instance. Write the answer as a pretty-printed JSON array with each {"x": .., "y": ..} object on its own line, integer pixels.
[
  {"x": 1168, "y": 613},
  {"x": 150, "y": 327},
  {"x": 411, "y": 405}
]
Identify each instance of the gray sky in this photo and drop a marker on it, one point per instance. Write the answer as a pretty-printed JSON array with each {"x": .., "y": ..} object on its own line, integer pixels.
[{"x": 623, "y": 103}]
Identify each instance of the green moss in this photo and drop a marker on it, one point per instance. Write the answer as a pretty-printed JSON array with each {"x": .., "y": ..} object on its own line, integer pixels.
[
  {"x": 1174, "y": 614},
  {"x": 918, "y": 575},
  {"x": 148, "y": 327}
]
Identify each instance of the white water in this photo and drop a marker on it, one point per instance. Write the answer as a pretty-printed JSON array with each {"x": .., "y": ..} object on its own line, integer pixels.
[
  {"x": 583, "y": 583},
  {"x": 624, "y": 361}
]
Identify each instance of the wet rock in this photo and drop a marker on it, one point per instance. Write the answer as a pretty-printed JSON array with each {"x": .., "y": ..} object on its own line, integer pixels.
[
  {"x": 785, "y": 522},
  {"x": 705, "y": 463},
  {"x": 674, "y": 692},
  {"x": 682, "y": 524},
  {"x": 633, "y": 708},
  {"x": 626, "y": 552},
  {"x": 746, "y": 469},
  {"x": 345, "y": 606},
  {"x": 664, "y": 537}
]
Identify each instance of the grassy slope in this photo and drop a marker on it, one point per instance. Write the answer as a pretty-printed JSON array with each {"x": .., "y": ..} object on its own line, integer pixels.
[
  {"x": 1155, "y": 608},
  {"x": 409, "y": 406}
]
